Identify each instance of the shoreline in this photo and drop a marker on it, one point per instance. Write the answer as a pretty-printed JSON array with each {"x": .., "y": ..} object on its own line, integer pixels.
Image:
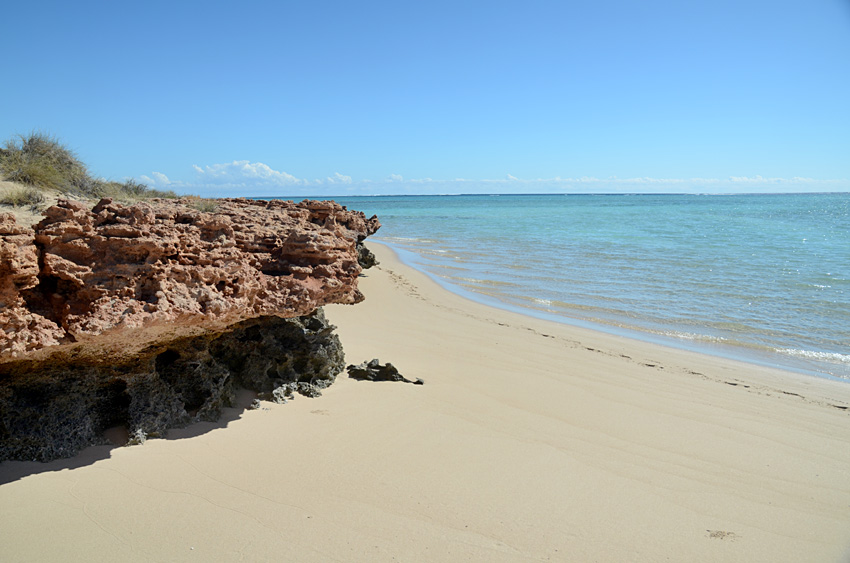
[
  {"x": 529, "y": 440},
  {"x": 589, "y": 331},
  {"x": 702, "y": 344}
]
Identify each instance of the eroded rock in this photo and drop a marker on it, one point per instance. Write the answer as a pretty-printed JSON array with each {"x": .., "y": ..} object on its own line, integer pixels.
[
  {"x": 365, "y": 257},
  {"x": 83, "y": 272},
  {"x": 150, "y": 316},
  {"x": 54, "y": 410},
  {"x": 375, "y": 371}
]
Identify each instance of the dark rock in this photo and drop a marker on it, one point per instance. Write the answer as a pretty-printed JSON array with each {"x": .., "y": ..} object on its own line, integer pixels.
[
  {"x": 374, "y": 371},
  {"x": 63, "y": 406},
  {"x": 365, "y": 257}
]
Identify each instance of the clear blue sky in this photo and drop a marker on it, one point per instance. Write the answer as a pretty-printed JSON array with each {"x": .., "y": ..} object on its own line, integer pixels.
[{"x": 335, "y": 98}]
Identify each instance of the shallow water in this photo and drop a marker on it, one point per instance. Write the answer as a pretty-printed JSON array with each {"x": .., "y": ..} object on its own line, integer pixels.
[{"x": 764, "y": 278}]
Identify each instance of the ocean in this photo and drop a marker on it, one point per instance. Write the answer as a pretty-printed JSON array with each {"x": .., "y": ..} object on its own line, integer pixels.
[{"x": 761, "y": 278}]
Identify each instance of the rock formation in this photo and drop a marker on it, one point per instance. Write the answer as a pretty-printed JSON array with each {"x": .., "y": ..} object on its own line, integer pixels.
[
  {"x": 366, "y": 258},
  {"x": 373, "y": 370},
  {"x": 151, "y": 315}
]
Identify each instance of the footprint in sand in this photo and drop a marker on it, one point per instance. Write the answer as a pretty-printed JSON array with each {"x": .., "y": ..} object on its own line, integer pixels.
[{"x": 721, "y": 535}]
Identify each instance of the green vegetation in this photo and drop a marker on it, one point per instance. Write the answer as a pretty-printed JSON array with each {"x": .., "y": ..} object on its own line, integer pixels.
[{"x": 42, "y": 162}]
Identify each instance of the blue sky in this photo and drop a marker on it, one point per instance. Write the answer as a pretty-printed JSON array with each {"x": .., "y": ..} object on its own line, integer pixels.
[{"x": 340, "y": 98}]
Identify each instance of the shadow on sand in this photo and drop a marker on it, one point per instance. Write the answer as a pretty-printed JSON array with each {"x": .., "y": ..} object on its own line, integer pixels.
[{"x": 11, "y": 471}]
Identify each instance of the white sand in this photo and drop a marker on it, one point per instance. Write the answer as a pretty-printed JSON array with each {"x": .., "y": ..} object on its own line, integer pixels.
[{"x": 529, "y": 441}]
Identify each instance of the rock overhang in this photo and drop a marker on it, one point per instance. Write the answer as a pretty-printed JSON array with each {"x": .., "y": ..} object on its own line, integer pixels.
[{"x": 127, "y": 271}]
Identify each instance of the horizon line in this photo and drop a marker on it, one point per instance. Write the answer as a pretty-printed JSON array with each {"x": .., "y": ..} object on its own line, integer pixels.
[{"x": 512, "y": 194}]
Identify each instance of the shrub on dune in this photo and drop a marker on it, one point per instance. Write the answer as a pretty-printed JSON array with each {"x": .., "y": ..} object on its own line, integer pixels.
[{"x": 42, "y": 162}]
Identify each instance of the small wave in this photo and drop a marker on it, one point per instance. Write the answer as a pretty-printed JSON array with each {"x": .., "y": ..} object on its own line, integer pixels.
[
  {"x": 408, "y": 240},
  {"x": 476, "y": 282},
  {"x": 690, "y": 336},
  {"x": 831, "y": 357},
  {"x": 447, "y": 267}
]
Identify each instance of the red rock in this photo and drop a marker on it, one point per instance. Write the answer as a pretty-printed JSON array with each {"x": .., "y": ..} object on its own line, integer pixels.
[{"x": 136, "y": 272}]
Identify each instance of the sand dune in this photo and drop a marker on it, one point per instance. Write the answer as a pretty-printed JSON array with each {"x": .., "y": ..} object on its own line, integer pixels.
[{"x": 529, "y": 441}]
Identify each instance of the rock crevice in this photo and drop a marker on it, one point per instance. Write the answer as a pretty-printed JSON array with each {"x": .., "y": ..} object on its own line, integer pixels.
[{"x": 50, "y": 410}]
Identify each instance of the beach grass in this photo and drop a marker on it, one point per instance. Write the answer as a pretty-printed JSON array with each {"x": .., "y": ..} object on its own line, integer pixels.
[
  {"x": 39, "y": 161},
  {"x": 206, "y": 205},
  {"x": 23, "y": 196}
]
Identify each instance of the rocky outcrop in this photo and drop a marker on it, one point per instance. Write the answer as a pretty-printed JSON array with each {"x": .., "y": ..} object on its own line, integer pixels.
[
  {"x": 83, "y": 272},
  {"x": 149, "y": 316},
  {"x": 20, "y": 328},
  {"x": 54, "y": 409}
]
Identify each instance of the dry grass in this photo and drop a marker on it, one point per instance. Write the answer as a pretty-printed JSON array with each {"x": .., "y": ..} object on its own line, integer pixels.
[
  {"x": 201, "y": 204},
  {"x": 40, "y": 161},
  {"x": 128, "y": 191},
  {"x": 23, "y": 196}
]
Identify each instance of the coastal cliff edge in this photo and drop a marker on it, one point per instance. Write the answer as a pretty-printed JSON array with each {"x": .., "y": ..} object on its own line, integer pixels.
[{"x": 149, "y": 316}]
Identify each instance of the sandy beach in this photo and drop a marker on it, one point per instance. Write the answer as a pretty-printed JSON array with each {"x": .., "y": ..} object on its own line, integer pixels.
[{"x": 529, "y": 440}]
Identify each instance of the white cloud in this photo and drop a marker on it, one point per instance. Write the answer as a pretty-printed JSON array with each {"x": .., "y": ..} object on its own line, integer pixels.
[
  {"x": 246, "y": 178},
  {"x": 746, "y": 179},
  {"x": 762, "y": 180},
  {"x": 244, "y": 171},
  {"x": 157, "y": 179},
  {"x": 161, "y": 178},
  {"x": 237, "y": 178},
  {"x": 338, "y": 178},
  {"x": 613, "y": 184}
]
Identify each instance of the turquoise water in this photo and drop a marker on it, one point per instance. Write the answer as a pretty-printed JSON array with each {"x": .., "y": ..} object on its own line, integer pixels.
[{"x": 765, "y": 278}]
